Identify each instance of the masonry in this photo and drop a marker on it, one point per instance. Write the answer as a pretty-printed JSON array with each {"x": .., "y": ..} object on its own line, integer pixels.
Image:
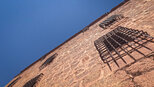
[{"x": 80, "y": 61}]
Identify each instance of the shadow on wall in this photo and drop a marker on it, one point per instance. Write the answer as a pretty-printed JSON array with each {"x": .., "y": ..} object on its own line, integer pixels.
[{"x": 121, "y": 42}]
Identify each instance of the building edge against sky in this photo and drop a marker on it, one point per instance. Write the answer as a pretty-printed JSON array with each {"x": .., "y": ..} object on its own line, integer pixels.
[
  {"x": 79, "y": 61},
  {"x": 84, "y": 29}
]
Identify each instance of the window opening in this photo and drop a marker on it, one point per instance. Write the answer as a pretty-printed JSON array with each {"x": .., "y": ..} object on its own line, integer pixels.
[
  {"x": 109, "y": 21},
  {"x": 114, "y": 45},
  {"x": 33, "y": 81},
  {"x": 48, "y": 61},
  {"x": 14, "y": 82}
]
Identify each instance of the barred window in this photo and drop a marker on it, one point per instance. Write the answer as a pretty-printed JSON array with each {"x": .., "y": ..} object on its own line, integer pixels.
[
  {"x": 109, "y": 21},
  {"x": 13, "y": 82},
  {"x": 114, "y": 45},
  {"x": 32, "y": 82},
  {"x": 48, "y": 61}
]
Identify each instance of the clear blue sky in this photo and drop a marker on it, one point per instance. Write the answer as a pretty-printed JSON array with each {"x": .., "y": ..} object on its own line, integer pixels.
[{"x": 31, "y": 28}]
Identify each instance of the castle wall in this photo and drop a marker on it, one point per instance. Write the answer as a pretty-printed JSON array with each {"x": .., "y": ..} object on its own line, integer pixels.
[{"x": 78, "y": 63}]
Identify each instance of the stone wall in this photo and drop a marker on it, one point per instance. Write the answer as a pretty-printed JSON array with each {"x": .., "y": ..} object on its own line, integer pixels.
[{"x": 78, "y": 63}]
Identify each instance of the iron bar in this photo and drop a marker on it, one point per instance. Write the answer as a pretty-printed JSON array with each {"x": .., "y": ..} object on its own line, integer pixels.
[
  {"x": 131, "y": 36},
  {"x": 111, "y": 55},
  {"x": 102, "y": 56},
  {"x": 128, "y": 44},
  {"x": 109, "y": 21},
  {"x": 115, "y": 50},
  {"x": 114, "y": 45},
  {"x": 120, "y": 45}
]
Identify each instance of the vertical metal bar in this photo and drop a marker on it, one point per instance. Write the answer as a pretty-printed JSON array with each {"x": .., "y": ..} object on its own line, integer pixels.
[
  {"x": 111, "y": 54},
  {"x": 115, "y": 53},
  {"x": 101, "y": 55},
  {"x": 115, "y": 50},
  {"x": 131, "y": 36},
  {"x": 120, "y": 45},
  {"x": 127, "y": 43},
  {"x": 98, "y": 50}
]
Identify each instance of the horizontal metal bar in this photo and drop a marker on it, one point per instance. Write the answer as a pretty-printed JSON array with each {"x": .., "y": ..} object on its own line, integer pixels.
[
  {"x": 128, "y": 44},
  {"x": 131, "y": 36}
]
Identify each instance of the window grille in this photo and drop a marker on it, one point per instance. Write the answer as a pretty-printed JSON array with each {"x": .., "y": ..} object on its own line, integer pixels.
[
  {"x": 43, "y": 57},
  {"x": 109, "y": 21},
  {"x": 13, "y": 82},
  {"x": 48, "y": 61},
  {"x": 114, "y": 45},
  {"x": 85, "y": 29},
  {"x": 32, "y": 82}
]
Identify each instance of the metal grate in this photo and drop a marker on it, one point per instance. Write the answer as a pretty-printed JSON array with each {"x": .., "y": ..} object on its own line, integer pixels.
[
  {"x": 13, "y": 82},
  {"x": 109, "y": 21},
  {"x": 48, "y": 61},
  {"x": 114, "y": 45},
  {"x": 33, "y": 81}
]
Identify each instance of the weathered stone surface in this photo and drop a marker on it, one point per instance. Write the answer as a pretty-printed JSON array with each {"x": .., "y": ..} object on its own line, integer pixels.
[
  {"x": 79, "y": 76},
  {"x": 92, "y": 76},
  {"x": 75, "y": 84},
  {"x": 74, "y": 64},
  {"x": 141, "y": 67},
  {"x": 85, "y": 59},
  {"x": 69, "y": 79},
  {"x": 145, "y": 80},
  {"x": 112, "y": 81},
  {"x": 79, "y": 71},
  {"x": 126, "y": 83},
  {"x": 78, "y": 63}
]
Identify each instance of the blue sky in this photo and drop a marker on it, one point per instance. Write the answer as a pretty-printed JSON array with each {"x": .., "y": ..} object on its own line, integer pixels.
[{"x": 31, "y": 28}]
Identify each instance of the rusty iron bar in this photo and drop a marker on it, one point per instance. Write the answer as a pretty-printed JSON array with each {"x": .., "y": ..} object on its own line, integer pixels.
[
  {"x": 124, "y": 49},
  {"x": 147, "y": 35},
  {"x": 110, "y": 54},
  {"x": 139, "y": 43},
  {"x": 102, "y": 56},
  {"x": 135, "y": 38},
  {"x": 136, "y": 33},
  {"x": 115, "y": 49},
  {"x": 115, "y": 53},
  {"x": 95, "y": 43},
  {"x": 101, "y": 50},
  {"x": 141, "y": 32},
  {"x": 107, "y": 44},
  {"x": 131, "y": 44},
  {"x": 127, "y": 43}
]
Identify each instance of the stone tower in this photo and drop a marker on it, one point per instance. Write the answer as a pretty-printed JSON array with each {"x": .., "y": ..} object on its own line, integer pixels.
[{"x": 116, "y": 50}]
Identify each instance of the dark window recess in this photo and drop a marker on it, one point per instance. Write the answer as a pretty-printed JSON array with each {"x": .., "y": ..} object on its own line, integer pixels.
[
  {"x": 121, "y": 42},
  {"x": 109, "y": 21},
  {"x": 32, "y": 82},
  {"x": 85, "y": 29},
  {"x": 43, "y": 57},
  {"x": 48, "y": 61},
  {"x": 13, "y": 82}
]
